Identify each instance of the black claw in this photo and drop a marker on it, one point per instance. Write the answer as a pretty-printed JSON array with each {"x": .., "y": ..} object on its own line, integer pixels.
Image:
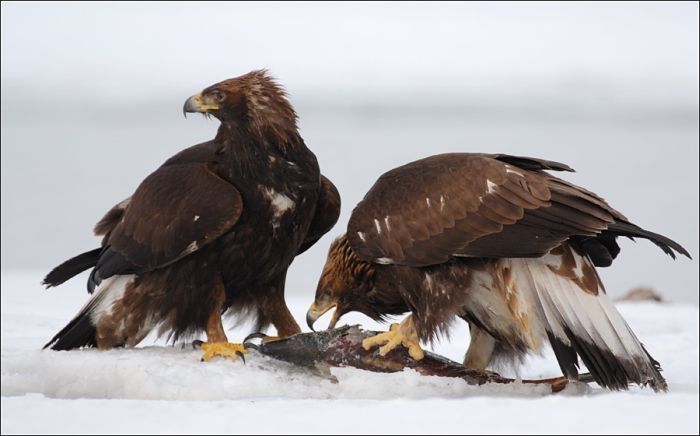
[
  {"x": 241, "y": 355},
  {"x": 251, "y": 345},
  {"x": 256, "y": 335},
  {"x": 197, "y": 344}
]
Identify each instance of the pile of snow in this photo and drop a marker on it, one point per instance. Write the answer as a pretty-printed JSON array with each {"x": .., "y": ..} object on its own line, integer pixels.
[
  {"x": 167, "y": 373},
  {"x": 162, "y": 388}
]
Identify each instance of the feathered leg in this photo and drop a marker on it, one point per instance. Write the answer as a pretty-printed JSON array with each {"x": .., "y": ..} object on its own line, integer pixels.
[
  {"x": 273, "y": 309},
  {"x": 217, "y": 344},
  {"x": 481, "y": 347}
]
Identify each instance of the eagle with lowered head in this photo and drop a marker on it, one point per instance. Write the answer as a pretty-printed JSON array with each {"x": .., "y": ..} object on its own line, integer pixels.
[
  {"x": 214, "y": 228},
  {"x": 497, "y": 241}
]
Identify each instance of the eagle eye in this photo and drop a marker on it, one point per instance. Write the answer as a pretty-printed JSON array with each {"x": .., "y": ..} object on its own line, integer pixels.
[{"x": 218, "y": 96}]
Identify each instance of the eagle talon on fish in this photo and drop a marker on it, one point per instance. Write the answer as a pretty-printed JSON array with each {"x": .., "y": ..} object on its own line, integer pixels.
[
  {"x": 262, "y": 336},
  {"x": 254, "y": 335},
  {"x": 399, "y": 334}
]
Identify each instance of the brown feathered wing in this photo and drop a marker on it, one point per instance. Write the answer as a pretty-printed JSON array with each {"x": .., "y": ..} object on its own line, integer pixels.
[
  {"x": 326, "y": 215},
  {"x": 479, "y": 205},
  {"x": 175, "y": 211}
]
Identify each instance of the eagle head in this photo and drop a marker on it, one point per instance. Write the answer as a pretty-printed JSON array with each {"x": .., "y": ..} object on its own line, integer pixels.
[
  {"x": 252, "y": 102},
  {"x": 346, "y": 284}
]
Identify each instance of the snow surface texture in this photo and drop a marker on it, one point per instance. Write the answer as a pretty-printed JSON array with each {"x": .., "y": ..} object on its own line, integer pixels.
[{"x": 158, "y": 388}]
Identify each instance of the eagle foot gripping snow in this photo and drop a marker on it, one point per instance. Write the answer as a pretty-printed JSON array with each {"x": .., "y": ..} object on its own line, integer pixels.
[{"x": 223, "y": 349}]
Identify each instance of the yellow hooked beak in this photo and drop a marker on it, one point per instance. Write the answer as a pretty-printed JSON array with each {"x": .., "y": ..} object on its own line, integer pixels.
[
  {"x": 317, "y": 310},
  {"x": 197, "y": 104}
]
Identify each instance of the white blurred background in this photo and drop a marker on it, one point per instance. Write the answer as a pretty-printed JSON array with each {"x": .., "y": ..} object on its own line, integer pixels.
[{"x": 92, "y": 99}]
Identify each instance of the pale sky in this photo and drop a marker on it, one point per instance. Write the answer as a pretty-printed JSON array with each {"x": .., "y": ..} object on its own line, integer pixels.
[
  {"x": 92, "y": 100},
  {"x": 113, "y": 49}
]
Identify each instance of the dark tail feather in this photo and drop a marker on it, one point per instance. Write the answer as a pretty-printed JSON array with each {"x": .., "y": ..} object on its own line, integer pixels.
[
  {"x": 80, "y": 332},
  {"x": 72, "y": 267},
  {"x": 608, "y": 370},
  {"x": 666, "y": 244}
]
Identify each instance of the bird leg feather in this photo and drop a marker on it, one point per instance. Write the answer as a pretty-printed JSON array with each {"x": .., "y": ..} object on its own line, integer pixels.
[{"x": 217, "y": 344}]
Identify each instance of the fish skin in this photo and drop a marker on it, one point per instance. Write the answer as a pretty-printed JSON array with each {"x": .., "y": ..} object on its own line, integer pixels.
[{"x": 342, "y": 347}]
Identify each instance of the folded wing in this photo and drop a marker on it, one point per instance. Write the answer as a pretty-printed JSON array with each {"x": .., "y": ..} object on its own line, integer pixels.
[
  {"x": 176, "y": 211},
  {"x": 480, "y": 205}
]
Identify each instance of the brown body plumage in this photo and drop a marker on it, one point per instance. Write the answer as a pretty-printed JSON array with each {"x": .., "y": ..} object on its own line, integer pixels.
[
  {"x": 499, "y": 242},
  {"x": 214, "y": 228}
]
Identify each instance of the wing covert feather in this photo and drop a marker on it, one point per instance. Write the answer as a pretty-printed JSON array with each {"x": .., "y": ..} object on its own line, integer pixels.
[
  {"x": 465, "y": 204},
  {"x": 175, "y": 211}
]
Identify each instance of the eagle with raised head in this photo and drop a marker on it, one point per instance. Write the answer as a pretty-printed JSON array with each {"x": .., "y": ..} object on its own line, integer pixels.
[
  {"x": 215, "y": 228},
  {"x": 497, "y": 241}
]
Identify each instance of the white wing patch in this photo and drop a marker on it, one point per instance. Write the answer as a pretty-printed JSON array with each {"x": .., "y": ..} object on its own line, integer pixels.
[
  {"x": 280, "y": 203},
  {"x": 362, "y": 236},
  {"x": 490, "y": 186},
  {"x": 190, "y": 248},
  {"x": 384, "y": 260},
  {"x": 510, "y": 170},
  {"x": 378, "y": 226}
]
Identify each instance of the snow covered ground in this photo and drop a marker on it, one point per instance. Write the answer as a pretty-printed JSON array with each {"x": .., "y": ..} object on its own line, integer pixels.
[{"x": 158, "y": 388}]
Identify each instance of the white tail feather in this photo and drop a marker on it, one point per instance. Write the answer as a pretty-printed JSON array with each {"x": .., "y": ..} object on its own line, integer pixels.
[{"x": 567, "y": 310}]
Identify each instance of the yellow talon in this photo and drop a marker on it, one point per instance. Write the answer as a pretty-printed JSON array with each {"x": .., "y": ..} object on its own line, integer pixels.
[
  {"x": 224, "y": 349},
  {"x": 404, "y": 334},
  {"x": 415, "y": 351}
]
